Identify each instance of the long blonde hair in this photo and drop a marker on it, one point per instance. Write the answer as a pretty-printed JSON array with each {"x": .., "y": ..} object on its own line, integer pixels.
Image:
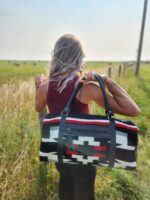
[{"x": 67, "y": 60}]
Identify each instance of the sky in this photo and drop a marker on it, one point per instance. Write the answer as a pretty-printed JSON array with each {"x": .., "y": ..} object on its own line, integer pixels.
[{"x": 108, "y": 29}]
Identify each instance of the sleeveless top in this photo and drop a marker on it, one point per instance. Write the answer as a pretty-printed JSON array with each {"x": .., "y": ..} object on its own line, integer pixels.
[{"x": 56, "y": 101}]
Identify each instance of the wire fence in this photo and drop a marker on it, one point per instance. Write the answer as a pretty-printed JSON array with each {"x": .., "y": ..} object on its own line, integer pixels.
[{"x": 121, "y": 70}]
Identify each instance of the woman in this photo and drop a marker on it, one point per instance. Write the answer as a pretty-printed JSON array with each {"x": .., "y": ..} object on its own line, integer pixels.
[{"x": 76, "y": 182}]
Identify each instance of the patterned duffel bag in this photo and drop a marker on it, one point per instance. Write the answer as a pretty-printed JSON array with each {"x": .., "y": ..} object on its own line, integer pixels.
[{"x": 89, "y": 139}]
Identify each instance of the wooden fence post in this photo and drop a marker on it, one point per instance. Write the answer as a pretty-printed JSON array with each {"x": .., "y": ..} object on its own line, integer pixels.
[{"x": 119, "y": 70}]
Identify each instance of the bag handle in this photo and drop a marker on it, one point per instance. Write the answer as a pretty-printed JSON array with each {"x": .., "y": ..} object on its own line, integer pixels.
[
  {"x": 99, "y": 79},
  {"x": 108, "y": 111}
]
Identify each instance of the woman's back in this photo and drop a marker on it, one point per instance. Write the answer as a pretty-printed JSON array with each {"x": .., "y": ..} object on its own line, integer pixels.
[{"x": 56, "y": 101}]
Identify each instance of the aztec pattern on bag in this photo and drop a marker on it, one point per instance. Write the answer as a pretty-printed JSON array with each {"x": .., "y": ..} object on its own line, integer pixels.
[{"x": 80, "y": 145}]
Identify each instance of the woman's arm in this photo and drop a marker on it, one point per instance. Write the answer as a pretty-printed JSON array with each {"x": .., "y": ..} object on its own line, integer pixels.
[
  {"x": 40, "y": 94},
  {"x": 120, "y": 101}
]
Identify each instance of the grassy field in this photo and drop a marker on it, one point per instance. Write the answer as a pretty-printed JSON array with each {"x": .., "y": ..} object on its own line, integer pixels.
[
  {"x": 23, "y": 177},
  {"x": 16, "y": 71},
  {"x": 20, "y": 70}
]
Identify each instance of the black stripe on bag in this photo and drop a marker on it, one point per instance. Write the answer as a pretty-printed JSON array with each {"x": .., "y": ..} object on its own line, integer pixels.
[
  {"x": 130, "y": 168},
  {"x": 44, "y": 158},
  {"x": 125, "y": 155},
  {"x": 47, "y": 147}
]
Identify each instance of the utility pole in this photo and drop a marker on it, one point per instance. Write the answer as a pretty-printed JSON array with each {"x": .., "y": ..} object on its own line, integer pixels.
[{"x": 141, "y": 38}]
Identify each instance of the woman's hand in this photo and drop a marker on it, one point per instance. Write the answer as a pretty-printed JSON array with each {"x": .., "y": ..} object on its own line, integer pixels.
[
  {"x": 90, "y": 77},
  {"x": 39, "y": 80}
]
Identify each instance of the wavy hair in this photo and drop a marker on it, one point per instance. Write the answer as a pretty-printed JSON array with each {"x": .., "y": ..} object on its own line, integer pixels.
[{"x": 67, "y": 60}]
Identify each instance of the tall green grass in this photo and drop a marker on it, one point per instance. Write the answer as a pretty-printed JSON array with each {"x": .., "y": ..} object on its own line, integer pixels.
[{"x": 23, "y": 177}]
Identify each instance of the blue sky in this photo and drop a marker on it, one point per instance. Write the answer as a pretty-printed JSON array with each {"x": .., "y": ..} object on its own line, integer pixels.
[{"x": 108, "y": 29}]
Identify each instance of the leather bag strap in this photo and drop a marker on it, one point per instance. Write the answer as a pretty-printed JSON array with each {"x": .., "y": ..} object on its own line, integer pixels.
[{"x": 108, "y": 111}]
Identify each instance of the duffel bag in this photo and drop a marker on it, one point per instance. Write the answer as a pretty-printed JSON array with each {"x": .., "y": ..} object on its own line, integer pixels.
[{"x": 89, "y": 139}]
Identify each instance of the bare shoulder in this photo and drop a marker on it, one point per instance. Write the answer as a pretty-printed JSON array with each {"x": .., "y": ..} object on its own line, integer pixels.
[
  {"x": 90, "y": 85},
  {"x": 90, "y": 91}
]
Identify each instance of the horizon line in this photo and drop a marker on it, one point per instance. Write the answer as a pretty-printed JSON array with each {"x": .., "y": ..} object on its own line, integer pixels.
[{"x": 43, "y": 60}]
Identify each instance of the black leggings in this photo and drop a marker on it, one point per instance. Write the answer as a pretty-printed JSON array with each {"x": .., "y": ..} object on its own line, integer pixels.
[{"x": 76, "y": 182}]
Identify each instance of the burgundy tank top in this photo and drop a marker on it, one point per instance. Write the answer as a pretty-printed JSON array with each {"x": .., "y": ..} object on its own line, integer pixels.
[{"x": 56, "y": 101}]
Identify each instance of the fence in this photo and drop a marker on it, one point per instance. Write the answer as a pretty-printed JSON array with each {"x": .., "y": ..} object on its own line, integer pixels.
[{"x": 121, "y": 70}]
